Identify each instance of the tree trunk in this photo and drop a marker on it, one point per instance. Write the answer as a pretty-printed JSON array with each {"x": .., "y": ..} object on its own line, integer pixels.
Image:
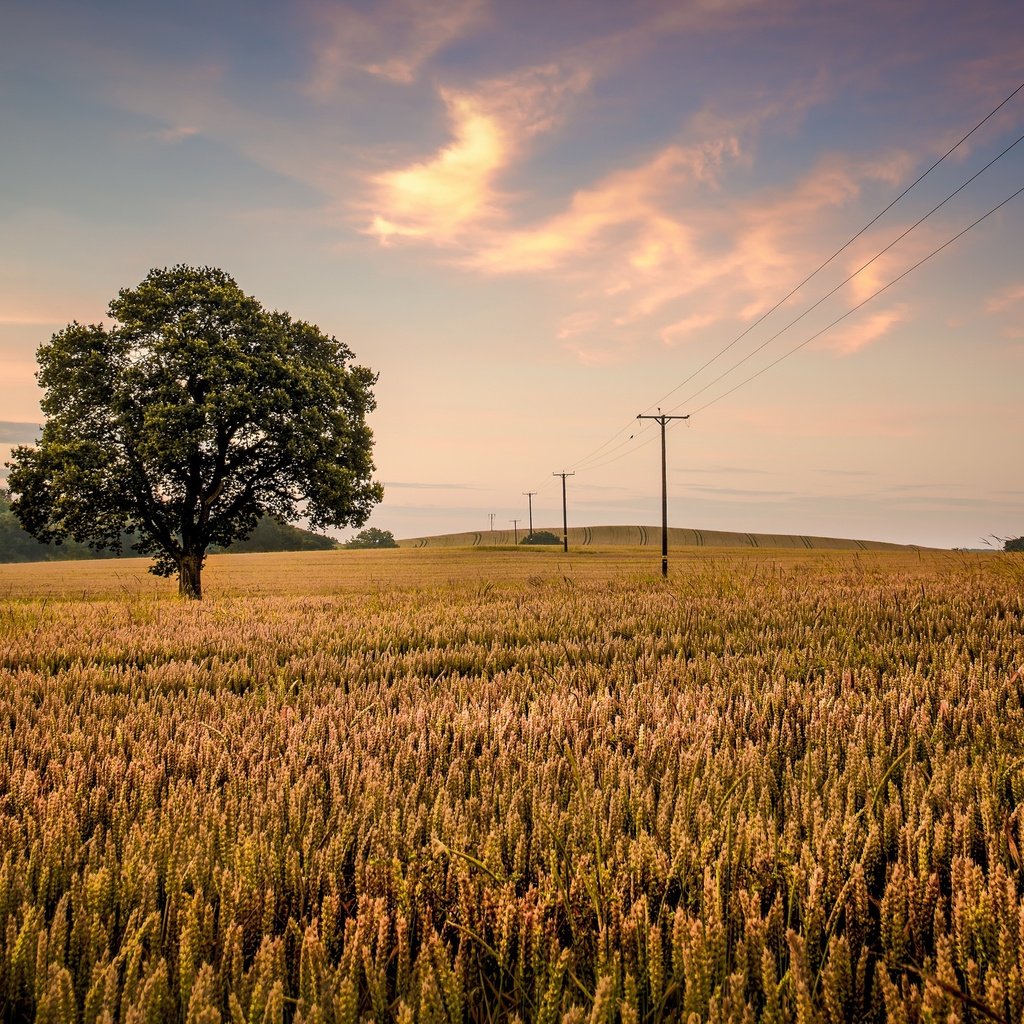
[{"x": 190, "y": 570}]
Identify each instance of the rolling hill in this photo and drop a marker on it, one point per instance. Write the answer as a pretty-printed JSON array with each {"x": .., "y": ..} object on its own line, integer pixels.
[{"x": 650, "y": 536}]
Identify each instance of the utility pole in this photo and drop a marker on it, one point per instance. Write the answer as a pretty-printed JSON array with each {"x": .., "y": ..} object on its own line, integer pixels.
[
  {"x": 492, "y": 514},
  {"x": 515, "y": 528},
  {"x": 565, "y": 518},
  {"x": 662, "y": 419},
  {"x": 529, "y": 496}
]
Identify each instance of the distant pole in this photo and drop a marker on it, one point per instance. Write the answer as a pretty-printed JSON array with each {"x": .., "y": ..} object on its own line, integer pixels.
[
  {"x": 662, "y": 419},
  {"x": 565, "y": 518},
  {"x": 529, "y": 496},
  {"x": 515, "y": 528},
  {"x": 492, "y": 514}
]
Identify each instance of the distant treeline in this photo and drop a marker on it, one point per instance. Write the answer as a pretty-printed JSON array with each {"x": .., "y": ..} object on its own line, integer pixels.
[{"x": 270, "y": 535}]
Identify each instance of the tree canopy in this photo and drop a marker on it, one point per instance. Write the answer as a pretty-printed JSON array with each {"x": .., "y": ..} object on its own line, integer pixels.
[
  {"x": 196, "y": 413},
  {"x": 372, "y": 538},
  {"x": 541, "y": 537}
]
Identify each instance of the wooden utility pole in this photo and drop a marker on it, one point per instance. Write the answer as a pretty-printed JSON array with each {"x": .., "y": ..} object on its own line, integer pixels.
[
  {"x": 515, "y": 528},
  {"x": 662, "y": 419},
  {"x": 565, "y": 518},
  {"x": 529, "y": 496}
]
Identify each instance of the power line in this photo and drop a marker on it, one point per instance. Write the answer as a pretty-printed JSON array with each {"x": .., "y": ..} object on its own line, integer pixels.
[
  {"x": 583, "y": 463},
  {"x": 848, "y": 243},
  {"x": 854, "y": 309},
  {"x": 848, "y": 279},
  {"x": 817, "y": 334},
  {"x": 615, "y": 458},
  {"x": 601, "y": 448}
]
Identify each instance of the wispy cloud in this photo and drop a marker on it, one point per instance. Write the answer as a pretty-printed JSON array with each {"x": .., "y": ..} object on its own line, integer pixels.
[
  {"x": 731, "y": 470},
  {"x": 29, "y": 320},
  {"x": 436, "y": 198},
  {"x": 865, "y": 331},
  {"x": 455, "y": 191},
  {"x": 741, "y": 492},
  {"x": 393, "y": 40},
  {"x": 682, "y": 329},
  {"x": 657, "y": 249},
  {"x": 18, "y": 433},
  {"x": 849, "y": 419},
  {"x": 20, "y": 308},
  {"x": 174, "y": 133},
  {"x": 416, "y": 486},
  {"x": 626, "y": 209},
  {"x": 1006, "y": 298}
]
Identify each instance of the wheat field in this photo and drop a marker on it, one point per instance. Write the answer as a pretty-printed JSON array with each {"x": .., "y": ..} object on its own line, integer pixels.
[{"x": 474, "y": 785}]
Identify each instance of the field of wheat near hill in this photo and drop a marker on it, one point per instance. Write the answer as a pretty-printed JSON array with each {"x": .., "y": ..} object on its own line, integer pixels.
[{"x": 474, "y": 785}]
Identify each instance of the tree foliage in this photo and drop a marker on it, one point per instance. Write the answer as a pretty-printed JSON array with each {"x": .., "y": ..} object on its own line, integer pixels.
[
  {"x": 17, "y": 545},
  {"x": 1014, "y": 544},
  {"x": 195, "y": 414},
  {"x": 541, "y": 537},
  {"x": 372, "y": 538},
  {"x": 271, "y": 534}
]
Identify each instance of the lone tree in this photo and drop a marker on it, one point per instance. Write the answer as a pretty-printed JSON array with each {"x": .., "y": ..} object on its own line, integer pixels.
[
  {"x": 372, "y": 538},
  {"x": 195, "y": 414}
]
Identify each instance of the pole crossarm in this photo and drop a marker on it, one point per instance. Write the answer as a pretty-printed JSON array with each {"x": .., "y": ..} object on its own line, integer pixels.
[{"x": 662, "y": 419}]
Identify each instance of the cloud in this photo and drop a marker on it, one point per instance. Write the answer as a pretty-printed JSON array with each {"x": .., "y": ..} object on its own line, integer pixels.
[
  {"x": 626, "y": 210},
  {"x": 1006, "y": 298},
  {"x": 905, "y": 488},
  {"x": 659, "y": 250},
  {"x": 443, "y": 197},
  {"x": 741, "y": 492},
  {"x": 19, "y": 307},
  {"x": 731, "y": 470},
  {"x": 687, "y": 326},
  {"x": 174, "y": 133},
  {"x": 865, "y": 331},
  {"x": 395, "y": 485},
  {"x": 393, "y": 42},
  {"x": 849, "y": 420},
  {"x": 18, "y": 433},
  {"x": 435, "y": 199},
  {"x": 30, "y": 320}
]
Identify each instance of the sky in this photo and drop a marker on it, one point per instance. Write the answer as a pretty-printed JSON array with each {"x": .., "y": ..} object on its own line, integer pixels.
[{"x": 536, "y": 221}]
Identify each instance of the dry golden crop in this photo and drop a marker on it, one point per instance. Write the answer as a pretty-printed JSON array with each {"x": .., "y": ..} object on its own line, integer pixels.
[{"x": 470, "y": 785}]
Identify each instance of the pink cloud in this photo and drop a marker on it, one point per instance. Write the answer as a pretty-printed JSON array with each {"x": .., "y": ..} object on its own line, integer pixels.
[
  {"x": 435, "y": 198},
  {"x": 175, "y": 133},
  {"x": 626, "y": 207},
  {"x": 864, "y": 331},
  {"x": 1006, "y": 298},
  {"x": 576, "y": 323},
  {"x": 394, "y": 41},
  {"x": 851, "y": 419},
  {"x": 455, "y": 190},
  {"x": 642, "y": 234},
  {"x": 20, "y": 308},
  {"x": 687, "y": 326}
]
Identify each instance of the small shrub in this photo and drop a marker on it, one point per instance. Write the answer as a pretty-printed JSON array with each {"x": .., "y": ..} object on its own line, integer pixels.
[
  {"x": 372, "y": 538},
  {"x": 541, "y": 537}
]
